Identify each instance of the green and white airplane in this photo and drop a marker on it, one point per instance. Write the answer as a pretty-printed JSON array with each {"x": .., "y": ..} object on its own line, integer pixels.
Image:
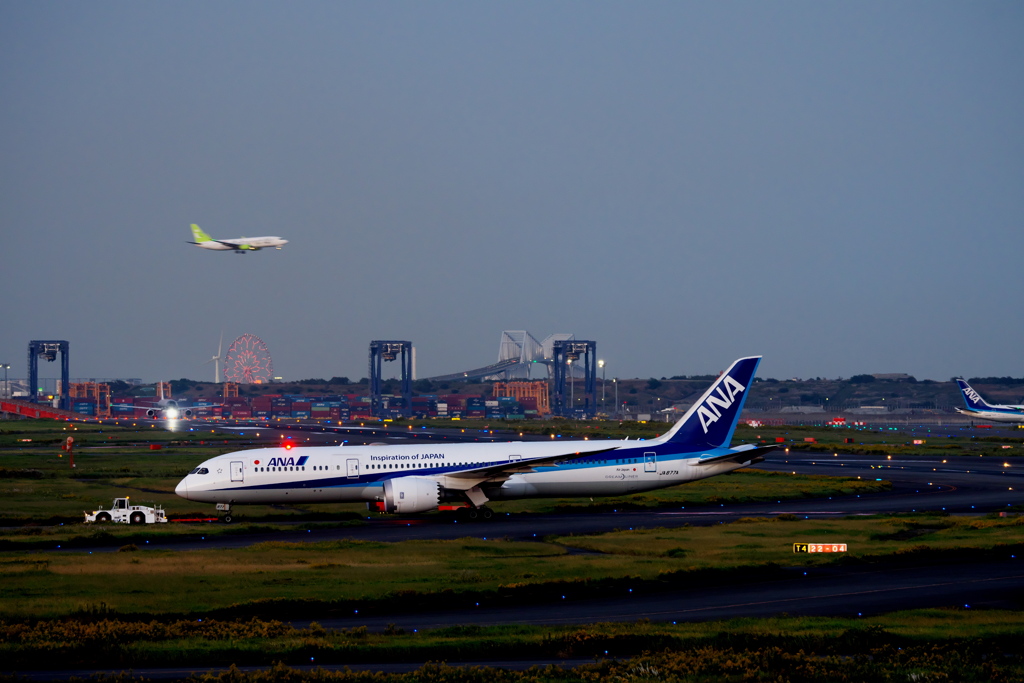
[{"x": 239, "y": 245}]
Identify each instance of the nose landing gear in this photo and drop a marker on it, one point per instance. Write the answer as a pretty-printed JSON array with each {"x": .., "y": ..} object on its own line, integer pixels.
[{"x": 226, "y": 509}]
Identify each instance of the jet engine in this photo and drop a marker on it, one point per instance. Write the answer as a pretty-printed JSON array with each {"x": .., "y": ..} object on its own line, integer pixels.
[{"x": 411, "y": 494}]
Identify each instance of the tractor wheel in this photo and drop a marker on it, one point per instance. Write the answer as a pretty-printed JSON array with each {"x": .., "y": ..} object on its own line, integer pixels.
[
  {"x": 103, "y": 518},
  {"x": 137, "y": 518}
]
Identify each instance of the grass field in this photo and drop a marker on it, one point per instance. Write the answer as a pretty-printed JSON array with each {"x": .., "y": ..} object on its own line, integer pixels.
[
  {"x": 343, "y": 574},
  {"x": 118, "y": 644},
  {"x": 144, "y": 607}
]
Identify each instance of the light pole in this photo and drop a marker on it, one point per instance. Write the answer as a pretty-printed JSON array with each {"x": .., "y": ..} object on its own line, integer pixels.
[
  {"x": 600, "y": 364},
  {"x": 615, "y": 383},
  {"x": 7, "y": 387},
  {"x": 572, "y": 388}
]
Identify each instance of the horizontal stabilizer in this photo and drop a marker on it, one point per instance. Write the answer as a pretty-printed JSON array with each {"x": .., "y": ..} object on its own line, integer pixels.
[{"x": 750, "y": 454}]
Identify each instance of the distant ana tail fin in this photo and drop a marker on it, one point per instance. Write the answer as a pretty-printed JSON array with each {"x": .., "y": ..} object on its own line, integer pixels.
[{"x": 972, "y": 398}]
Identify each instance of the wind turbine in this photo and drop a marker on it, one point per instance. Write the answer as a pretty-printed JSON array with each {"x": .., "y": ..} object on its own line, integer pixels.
[{"x": 217, "y": 359}]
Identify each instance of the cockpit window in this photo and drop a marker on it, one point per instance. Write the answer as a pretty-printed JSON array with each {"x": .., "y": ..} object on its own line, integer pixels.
[{"x": 200, "y": 470}]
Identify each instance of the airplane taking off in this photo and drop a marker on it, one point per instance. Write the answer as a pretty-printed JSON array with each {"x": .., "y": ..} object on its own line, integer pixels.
[
  {"x": 239, "y": 245},
  {"x": 166, "y": 408},
  {"x": 981, "y": 409},
  {"x": 418, "y": 478}
]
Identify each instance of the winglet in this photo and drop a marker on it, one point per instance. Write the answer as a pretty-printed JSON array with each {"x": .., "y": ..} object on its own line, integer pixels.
[
  {"x": 199, "y": 235},
  {"x": 711, "y": 421}
]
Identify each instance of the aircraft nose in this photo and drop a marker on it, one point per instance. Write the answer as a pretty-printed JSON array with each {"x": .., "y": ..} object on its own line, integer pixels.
[{"x": 182, "y": 488}]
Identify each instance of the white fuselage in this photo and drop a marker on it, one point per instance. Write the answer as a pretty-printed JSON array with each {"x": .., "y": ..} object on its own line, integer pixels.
[
  {"x": 250, "y": 242},
  {"x": 357, "y": 473},
  {"x": 1010, "y": 416}
]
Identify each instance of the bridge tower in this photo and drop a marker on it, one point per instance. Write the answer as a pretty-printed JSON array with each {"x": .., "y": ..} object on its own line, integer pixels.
[
  {"x": 49, "y": 349},
  {"x": 380, "y": 351},
  {"x": 565, "y": 353}
]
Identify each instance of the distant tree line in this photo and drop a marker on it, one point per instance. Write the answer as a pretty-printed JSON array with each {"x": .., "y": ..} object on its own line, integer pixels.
[{"x": 995, "y": 380}]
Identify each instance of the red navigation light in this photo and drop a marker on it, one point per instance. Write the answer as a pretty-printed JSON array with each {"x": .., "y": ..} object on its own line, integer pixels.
[{"x": 287, "y": 446}]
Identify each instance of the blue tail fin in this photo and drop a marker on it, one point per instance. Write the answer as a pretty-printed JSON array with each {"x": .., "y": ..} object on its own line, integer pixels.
[
  {"x": 972, "y": 398},
  {"x": 711, "y": 421}
]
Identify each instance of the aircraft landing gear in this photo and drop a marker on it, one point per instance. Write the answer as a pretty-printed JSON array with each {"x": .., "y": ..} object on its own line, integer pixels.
[
  {"x": 469, "y": 514},
  {"x": 226, "y": 509}
]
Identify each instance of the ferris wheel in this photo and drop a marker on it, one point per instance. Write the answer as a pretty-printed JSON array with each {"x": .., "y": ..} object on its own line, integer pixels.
[{"x": 248, "y": 361}]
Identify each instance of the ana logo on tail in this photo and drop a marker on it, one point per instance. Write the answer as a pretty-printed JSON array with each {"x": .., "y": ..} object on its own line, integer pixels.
[
  {"x": 723, "y": 398},
  {"x": 972, "y": 394}
]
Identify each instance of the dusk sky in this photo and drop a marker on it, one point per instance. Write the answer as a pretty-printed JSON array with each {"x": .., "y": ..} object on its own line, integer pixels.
[{"x": 836, "y": 186}]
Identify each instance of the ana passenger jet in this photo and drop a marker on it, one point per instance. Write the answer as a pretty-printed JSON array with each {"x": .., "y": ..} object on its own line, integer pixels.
[
  {"x": 979, "y": 408},
  {"x": 417, "y": 478},
  {"x": 239, "y": 245}
]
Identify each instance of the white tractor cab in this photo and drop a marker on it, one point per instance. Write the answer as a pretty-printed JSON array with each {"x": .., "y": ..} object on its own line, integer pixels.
[{"x": 124, "y": 512}]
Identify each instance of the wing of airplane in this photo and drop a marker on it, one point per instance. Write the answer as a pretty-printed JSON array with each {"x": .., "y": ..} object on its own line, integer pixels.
[
  {"x": 467, "y": 479},
  {"x": 237, "y": 245},
  {"x": 751, "y": 454}
]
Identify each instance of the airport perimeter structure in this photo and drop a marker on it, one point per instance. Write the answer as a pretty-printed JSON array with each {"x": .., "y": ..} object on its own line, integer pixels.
[{"x": 518, "y": 352}]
